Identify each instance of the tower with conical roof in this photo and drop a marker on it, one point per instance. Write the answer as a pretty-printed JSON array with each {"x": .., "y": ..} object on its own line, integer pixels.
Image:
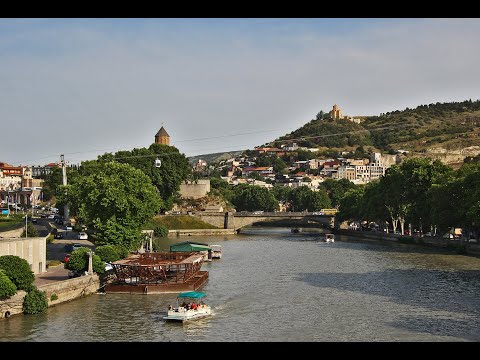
[{"x": 162, "y": 137}]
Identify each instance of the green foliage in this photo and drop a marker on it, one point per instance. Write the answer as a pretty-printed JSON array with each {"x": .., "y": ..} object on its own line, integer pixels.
[
  {"x": 305, "y": 199},
  {"x": 336, "y": 189},
  {"x": 7, "y": 287},
  {"x": 79, "y": 261},
  {"x": 161, "y": 231},
  {"x": 115, "y": 200},
  {"x": 31, "y": 231},
  {"x": 35, "y": 302},
  {"x": 167, "y": 178},
  {"x": 108, "y": 253},
  {"x": 252, "y": 198},
  {"x": 53, "y": 297},
  {"x": 18, "y": 270}
]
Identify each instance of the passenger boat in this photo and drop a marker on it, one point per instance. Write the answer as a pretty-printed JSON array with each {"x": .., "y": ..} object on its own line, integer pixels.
[
  {"x": 195, "y": 309},
  {"x": 329, "y": 238},
  {"x": 216, "y": 251}
]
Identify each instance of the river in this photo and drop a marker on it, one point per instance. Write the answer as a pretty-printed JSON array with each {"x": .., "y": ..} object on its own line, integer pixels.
[{"x": 273, "y": 285}]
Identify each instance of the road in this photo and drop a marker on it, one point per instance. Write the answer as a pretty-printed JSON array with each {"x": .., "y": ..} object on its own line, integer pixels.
[{"x": 56, "y": 251}]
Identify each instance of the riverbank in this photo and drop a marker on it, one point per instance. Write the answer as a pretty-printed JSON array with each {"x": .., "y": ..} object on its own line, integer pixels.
[
  {"x": 464, "y": 248},
  {"x": 195, "y": 232}
]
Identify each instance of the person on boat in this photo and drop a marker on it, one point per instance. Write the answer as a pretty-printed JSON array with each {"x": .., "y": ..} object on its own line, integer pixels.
[
  {"x": 170, "y": 307},
  {"x": 194, "y": 306},
  {"x": 184, "y": 304}
]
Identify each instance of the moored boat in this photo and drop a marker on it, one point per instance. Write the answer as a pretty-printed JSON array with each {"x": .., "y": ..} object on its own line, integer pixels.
[
  {"x": 216, "y": 251},
  {"x": 195, "y": 309}
]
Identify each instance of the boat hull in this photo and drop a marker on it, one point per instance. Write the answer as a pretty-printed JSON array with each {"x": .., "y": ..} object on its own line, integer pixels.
[{"x": 187, "y": 315}]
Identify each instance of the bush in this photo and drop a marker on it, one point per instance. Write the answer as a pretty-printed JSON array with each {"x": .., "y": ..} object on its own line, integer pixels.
[
  {"x": 31, "y": 231},
  {"x": 79, "y": 261},
  {"x": 53, "y": 297},
  {"x": 7, "y": 287},
  {"x": 108, "y": 253},
  {"x": 35, "y": 302},
  {"x": 18, "y": 270},
  {"x": 122, "y": 251},
  {"x": 160, "y": 231}
]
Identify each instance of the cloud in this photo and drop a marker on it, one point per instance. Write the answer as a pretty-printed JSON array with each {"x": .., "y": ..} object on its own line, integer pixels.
[{"x": 78, "y": 85}]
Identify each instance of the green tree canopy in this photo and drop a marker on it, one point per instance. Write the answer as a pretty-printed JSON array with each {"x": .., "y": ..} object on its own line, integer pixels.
[
  {"x": 7, "y": 287},
  {"x": 252, "y": 198},
  {"x": 305, "y": 199},
  {"x": 167, "y": 178},
  {"x": 18, "y": 270},
  {"x": 78, "y": 261},
  {"x": 115, "y": 200},
  {"x": 336, "y": 189}
]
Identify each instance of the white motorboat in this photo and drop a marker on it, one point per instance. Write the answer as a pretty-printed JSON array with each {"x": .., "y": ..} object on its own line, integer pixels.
[
  {"x": 195, "y": 309},
  {"x": 216, "y": 251},
  {"x": 329, "y": 238}
]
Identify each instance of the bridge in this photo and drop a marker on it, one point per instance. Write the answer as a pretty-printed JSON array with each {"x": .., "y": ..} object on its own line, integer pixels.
[{"x": 238, "y": 220}]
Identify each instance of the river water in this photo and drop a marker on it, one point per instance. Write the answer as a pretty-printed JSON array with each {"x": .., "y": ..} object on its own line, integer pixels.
[{"x": 273, "y": 285}]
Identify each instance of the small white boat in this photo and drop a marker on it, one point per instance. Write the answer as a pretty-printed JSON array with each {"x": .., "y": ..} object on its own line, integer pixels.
[
  {"x": 216, "y": 251},
  {"x": 188, "y": 311},
  {"x": 329, "y": 238}
]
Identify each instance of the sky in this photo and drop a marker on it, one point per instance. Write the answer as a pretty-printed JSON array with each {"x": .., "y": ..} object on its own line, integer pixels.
[{"x": 83, "y": 87}]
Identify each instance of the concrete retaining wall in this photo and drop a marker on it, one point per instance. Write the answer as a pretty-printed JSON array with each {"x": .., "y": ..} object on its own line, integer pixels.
[
  {"x": 66, "y": 290},
  {"x": 172, "y": 233}
]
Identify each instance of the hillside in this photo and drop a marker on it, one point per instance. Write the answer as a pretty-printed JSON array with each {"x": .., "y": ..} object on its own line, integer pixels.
[
  {"x": 215, "y": 157},
  {"x": 428, "y": 129}
]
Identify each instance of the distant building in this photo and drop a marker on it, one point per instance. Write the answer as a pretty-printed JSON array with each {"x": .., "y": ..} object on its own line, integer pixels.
[
  {"x": 336, "y": 113},
  {"x": 194, "y": 189},
  {"x": 162, "y": 137}
]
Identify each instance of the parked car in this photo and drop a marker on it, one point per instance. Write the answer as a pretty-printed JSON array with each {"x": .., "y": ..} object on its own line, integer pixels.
[
  {"x": 69, "y": 228},
  {"x": 34, "y": 220},
  {"x": 77, "y": 246},
  {"x": 58, "y": 235},
  {"x": 82, "y": 236},
  {"x": 68, "y": 247}
]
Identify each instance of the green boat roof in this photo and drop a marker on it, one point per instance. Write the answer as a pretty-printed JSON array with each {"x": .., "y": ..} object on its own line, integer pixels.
[
  {"x": 189, "y": 246},
  {"x": 191, "y": 294}
]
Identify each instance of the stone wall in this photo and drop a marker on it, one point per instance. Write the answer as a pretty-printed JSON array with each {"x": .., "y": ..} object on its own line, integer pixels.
[
  {"x": 65, "y": 290},
  {"x": 194, "y": 190},
  {"x": 13, "y": 304}
]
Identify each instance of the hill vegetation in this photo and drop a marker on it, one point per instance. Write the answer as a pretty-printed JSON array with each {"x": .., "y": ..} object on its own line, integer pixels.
[{"x": 451, "y": 125}]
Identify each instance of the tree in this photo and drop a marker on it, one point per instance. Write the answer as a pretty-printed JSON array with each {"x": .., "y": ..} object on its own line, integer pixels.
[
  {"x": 18, "y": 270},
  {"x": 31, "y": 231},
  {"x": 107, "y": 253},
  {"x": 350, "y": 205},
  {"x": 252, "y": 198},
  {"x": 78, "y": 261},
  {"x": 115, "y": 200},
  {"x": 167, "y": 178},
  {"x": 7, "y": 287},
  {"x": 303, "y": 199},
  {"x": 336, "y": 189}
]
